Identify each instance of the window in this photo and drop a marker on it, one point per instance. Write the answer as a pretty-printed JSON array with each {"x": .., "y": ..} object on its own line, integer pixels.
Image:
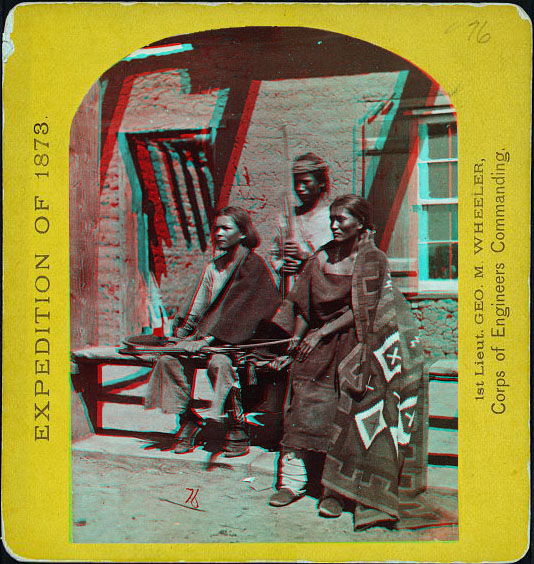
[
  {"x": 437, "y": 204},
  {"x": 177, "y": 194}
]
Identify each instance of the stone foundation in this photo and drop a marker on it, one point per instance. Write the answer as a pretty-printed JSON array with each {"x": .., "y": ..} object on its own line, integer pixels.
[{"x": 438, "y": 325}]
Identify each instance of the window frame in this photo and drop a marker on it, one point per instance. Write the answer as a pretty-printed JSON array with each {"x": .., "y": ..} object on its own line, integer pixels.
[{"x": 423, "y": 199}]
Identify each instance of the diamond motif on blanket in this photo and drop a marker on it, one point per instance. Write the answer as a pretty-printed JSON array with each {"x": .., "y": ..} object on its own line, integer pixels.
[
  {"x": 370, "y": 423},
  {"x": 406, "y": 417},
  {"x": 388, "y": 355},
  {"x": 395, "y": 436}
]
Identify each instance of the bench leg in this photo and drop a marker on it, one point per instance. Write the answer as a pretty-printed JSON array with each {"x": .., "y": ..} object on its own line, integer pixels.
[{"x": 90, "y": 376}]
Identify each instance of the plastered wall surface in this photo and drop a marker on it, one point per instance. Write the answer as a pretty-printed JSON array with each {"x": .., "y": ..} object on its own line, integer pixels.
[{"x": 320, "y": 114}]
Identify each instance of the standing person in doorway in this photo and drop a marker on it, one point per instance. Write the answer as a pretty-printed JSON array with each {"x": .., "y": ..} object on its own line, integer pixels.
[{"x": 302, "y": 228}]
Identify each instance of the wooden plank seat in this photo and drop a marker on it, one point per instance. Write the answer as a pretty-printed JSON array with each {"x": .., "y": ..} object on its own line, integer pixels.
[{"x": 266, "y": 397}]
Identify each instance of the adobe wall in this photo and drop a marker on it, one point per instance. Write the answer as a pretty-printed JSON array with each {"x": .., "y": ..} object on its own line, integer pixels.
[{"x": 322, "y": 115}]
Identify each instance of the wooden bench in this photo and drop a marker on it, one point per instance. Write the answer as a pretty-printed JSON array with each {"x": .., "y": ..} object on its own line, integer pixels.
[
  {"x": 440, "y": 414},
  {"x": 86, "y": 374}
]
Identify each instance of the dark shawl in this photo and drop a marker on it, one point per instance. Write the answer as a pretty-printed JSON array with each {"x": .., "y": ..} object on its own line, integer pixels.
[
  {"x": 371, "y": 431},
  {"x": 248, "y": 298}
]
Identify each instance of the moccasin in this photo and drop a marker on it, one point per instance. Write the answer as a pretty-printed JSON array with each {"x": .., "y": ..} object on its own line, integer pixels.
[
  {"x": 283, "y": 497},
  {"x": 330, "y": 507},
  {"x": 186, "y": 436}
]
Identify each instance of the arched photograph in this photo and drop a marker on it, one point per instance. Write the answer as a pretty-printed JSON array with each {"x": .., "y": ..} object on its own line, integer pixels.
[{"x": 264, "y": 294}]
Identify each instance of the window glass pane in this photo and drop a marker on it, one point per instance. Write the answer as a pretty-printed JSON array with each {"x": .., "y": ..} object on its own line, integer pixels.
[
  {"x": 442, "y": 221},
  {"x": 442, "y": 141},
  {"x": 442, "y": 180},
  {"x": 443, "y": 261}
]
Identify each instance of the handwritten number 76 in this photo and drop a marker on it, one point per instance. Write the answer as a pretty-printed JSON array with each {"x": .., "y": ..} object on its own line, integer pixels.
[
  {"x": 192, "y": 499},
  {"x": 478, "y": 28}
]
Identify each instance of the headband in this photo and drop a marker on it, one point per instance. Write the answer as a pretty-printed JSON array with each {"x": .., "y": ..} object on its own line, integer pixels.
[{"x": 310, "y": 164}]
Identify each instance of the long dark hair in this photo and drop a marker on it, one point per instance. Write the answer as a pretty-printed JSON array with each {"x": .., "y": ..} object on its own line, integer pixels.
[
  {"x": 357, "y": 206},
  {"x": 241, "y": 218}
]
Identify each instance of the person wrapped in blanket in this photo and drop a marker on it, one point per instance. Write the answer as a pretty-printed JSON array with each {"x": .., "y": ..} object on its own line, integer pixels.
[
  {"x": 356, "y": 374},
  {"x": 235, "y": 295}
]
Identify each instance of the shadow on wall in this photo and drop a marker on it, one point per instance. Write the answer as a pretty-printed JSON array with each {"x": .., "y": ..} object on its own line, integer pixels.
[{"x": 169, "y": 138}]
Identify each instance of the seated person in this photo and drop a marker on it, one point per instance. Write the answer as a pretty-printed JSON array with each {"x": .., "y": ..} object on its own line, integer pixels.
[{"x": 235, "y": 295}]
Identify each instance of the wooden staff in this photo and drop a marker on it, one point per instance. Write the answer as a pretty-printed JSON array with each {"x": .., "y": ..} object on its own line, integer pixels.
[
  {"x": 289, "y": 211},
  {"x": 144, "y": 349}
]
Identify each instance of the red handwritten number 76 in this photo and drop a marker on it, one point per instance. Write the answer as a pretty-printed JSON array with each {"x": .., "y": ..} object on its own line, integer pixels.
[{"x": 192, "y": 499}]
